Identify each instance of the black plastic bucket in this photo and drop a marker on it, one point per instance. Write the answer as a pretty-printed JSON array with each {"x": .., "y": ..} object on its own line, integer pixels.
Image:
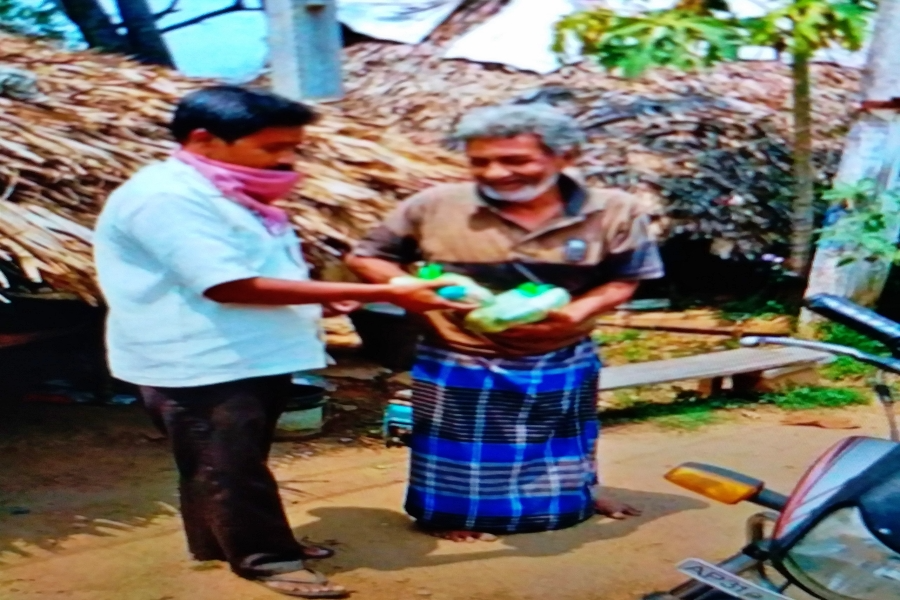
[
  {"x": 305, "y": 397},
  {"x": 389, "y": 336}
]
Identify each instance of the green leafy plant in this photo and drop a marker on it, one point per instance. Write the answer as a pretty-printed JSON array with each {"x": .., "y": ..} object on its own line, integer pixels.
[
  {"x": 835, "y": 333},
  {"x": 801, "y": 28},
  {"x": 691, "y": 35},
  {"x": 607, "y": 338},
  {"x": 688, "y": 411},
  {"x": 804, "y": 26},
  {"x": 806, "y": 398},
  {"x": 864, "y": 218},
  {"x": 845, "y": 367},
  {"x": 677, "y": 38}
]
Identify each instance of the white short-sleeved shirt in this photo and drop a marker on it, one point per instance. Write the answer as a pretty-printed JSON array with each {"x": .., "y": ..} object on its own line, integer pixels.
[{"x": 165, "y": 237}]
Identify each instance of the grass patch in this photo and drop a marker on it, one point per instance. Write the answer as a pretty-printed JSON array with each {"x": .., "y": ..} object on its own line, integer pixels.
[
  {"x": 753, "y": 308},
  {"x": 691, "y": 412},
  {"x": 689, "y": 421},
  {"x": 606, "y": 338},
  {"x": 835, "y": 333},
  {"x": 685, "y": 408},
  {"x": 634, "y": 354},
  {"x": 845, "y": 367},
  {"x": 624, "y": 398},
  {"x": 805, "y": 398}
]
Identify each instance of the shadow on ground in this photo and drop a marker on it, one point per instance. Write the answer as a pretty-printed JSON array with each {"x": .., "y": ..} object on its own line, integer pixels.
[
  {"x": 78, "y": 470},
  {"x": 358, "y": 534}
]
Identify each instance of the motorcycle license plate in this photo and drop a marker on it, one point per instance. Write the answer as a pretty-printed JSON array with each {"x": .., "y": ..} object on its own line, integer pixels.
[{"x": 729, "y": 583}]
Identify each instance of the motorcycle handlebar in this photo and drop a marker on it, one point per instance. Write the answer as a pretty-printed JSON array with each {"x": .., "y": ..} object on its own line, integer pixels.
[
  {"x": 884, "y": 363},
  {"x": 771, "y": 500}
]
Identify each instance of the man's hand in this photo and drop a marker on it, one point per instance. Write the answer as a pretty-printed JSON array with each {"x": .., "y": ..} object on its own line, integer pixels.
[
  {"x": 421, "y": 297},
  {"x": 557, "y": 324},
  {"x": 336, "y": 309},
  {"x": 572, "y": 317}
]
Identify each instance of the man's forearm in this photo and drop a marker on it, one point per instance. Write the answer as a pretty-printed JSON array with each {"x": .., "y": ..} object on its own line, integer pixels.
[
  {"x": 282, "y": 292},
  {"x": 374, "y": 270},
  {"x": 604, "y": 298}
]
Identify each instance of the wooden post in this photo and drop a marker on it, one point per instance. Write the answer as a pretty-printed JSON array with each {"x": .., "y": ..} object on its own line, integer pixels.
[{"x": 305, "y": 49}]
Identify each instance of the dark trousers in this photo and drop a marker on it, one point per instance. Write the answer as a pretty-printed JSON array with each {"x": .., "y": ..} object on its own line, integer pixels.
[{"x": 221, "y": 436}]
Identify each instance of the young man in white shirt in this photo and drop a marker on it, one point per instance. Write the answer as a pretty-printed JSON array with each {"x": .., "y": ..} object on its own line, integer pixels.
[{"x": 210, "y": 312}]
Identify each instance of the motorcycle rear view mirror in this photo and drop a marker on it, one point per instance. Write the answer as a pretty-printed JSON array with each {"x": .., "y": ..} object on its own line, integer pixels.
[{"x": 715, "y": 483}]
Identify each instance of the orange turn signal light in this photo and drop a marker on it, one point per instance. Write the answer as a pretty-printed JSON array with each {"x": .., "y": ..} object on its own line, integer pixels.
[{"x": 714, "y": 483}]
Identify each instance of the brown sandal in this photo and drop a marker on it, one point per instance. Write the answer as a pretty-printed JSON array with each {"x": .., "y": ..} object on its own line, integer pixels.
[{"x": 304, "y": 584}]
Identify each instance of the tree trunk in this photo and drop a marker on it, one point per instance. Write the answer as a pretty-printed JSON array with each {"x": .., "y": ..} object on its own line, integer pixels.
[
  {"x": 863, "y": 158},
  {"x": 146, "y": 41},
  {"x": 803, "y": 211},
  {"x": 95, "y": 25}
]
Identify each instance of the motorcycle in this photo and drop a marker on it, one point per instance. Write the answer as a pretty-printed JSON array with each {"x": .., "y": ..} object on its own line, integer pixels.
[{"x": 837, "y": 536}]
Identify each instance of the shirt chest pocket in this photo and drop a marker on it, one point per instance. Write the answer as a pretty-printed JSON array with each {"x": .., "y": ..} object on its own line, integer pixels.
[{"x": 567, "y": 249}]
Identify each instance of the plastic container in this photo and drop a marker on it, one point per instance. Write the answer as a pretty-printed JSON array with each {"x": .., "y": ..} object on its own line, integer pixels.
[
  {"x": 460, "y": 288},
  {"x": 528, "y": 303},
  {"x": 305, "y": 412}
]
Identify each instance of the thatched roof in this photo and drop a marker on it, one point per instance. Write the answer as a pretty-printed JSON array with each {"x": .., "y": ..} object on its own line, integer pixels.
[
  {"x": 709, "y": 152},
  {"x": 688, "y": 143},
  {"x": 98, "y": 118}
]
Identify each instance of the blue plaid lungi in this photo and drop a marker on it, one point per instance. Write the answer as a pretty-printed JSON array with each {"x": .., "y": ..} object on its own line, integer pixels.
[{"x": 504, "y": 445}]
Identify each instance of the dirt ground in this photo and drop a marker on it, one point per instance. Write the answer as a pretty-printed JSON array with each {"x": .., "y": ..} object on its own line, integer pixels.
[{"x": 87, "y": 512}]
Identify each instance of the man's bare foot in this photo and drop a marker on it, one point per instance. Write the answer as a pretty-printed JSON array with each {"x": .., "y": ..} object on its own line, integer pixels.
[
  {"x": 615, "y": 510},
  {"x": 464, "y": 536}
]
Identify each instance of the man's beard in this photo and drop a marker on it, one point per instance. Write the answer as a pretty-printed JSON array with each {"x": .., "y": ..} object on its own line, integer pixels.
[{"x": 525, "y": 194}]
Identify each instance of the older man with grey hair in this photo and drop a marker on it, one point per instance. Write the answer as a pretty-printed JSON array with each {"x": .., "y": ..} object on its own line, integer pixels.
[{"x": 505, "y": 426}]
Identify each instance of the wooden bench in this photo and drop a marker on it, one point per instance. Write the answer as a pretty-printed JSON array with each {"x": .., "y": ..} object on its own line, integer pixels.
[{"x": 748, "y": 368}]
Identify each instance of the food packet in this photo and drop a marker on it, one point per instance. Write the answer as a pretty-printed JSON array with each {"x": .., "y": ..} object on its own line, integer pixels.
[
  {"x": 528, "y": 303},
  {"x": 459, "y": 287}
]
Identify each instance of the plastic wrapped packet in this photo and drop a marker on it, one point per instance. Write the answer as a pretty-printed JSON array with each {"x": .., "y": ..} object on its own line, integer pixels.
[
  {"x": 459, "y": 287},
  {"x": 528, "y": 303}
]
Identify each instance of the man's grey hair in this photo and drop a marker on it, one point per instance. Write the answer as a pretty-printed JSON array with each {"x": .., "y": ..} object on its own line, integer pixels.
[{"x": 559, "y": 132}]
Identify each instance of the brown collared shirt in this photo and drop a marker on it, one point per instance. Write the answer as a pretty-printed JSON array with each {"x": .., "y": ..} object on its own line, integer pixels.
[{"x": 599, "y": 238}]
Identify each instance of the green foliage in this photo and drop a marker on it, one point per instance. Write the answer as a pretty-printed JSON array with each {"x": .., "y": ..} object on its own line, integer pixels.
[
  {"x": 845, "y": 367},
  {"x": 42, "y": 18},
  {"x": 835, "y": 333},
  {"x": 678, "y": 38},
  {"x": 805, "y": 398},
  {"x": 627, "y": 335},
  {"x": 687, "y": 406},
  {"x": 691, "y": 36},
  {"x": 753, "y": 307},
  {"x": 866, "y": 224},
  {"x": 690, "y": 411},
  {"x": 804, "y": 26},
  {"x": 688, "y": 421}
]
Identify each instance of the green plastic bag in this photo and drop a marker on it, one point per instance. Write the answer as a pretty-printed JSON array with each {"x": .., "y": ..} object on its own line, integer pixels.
[{"x": 528, "y": 303}]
